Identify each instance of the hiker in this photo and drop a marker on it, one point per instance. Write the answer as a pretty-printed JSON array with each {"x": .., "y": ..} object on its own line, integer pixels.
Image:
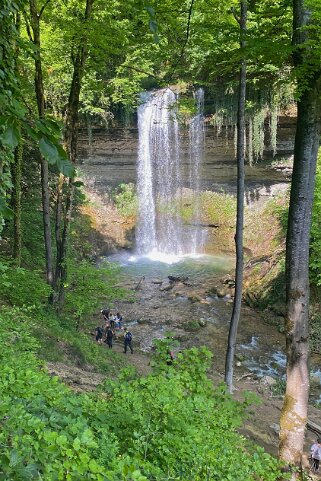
[
  {"x": 118, "y": 321},
  {"x": 112, "y": 320},
  {"x": 109, "y": 338},
  {"x": 105, "y": 313},
  {"x": 128, "y": 337},
  {"x": 99, "y": 334},
  {"x": 315, "y": 451}
]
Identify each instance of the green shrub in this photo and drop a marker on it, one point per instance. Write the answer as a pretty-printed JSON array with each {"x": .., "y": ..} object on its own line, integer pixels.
[
  {"x": 88, "y": 289},
  {"x": 125, "y": 199},
  {"x": 22, "y": 287}
]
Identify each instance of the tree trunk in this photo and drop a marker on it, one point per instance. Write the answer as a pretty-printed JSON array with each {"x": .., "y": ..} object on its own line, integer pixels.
[
  {"x": 35, "y": 25},
  {"x": 294, "y": 412},
  {"x": 17, "y": 176},
  {"x": 63, "y": 216},
  {"x": 16, "y": 203},
  {"x": 229, "y": 364}
]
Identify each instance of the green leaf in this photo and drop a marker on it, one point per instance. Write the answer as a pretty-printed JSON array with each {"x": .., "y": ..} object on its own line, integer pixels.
[
  {"x": 11, "y": 136},
  {"x": 153, "y": 26},
  {"x": 65, "y": 167},
  {"x": 150, "y": 10},
  {"x": 48, "y": 150},
  {"x": 5, "y": 211}
]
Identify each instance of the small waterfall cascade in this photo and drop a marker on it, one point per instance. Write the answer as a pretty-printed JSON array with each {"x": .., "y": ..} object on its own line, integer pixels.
[
  {"x": 196, "y": 149},
  {"x": 159, "y": 174}
]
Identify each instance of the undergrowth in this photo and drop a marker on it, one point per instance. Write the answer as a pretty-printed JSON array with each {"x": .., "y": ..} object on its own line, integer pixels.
[{"x": 133, "y": 429}]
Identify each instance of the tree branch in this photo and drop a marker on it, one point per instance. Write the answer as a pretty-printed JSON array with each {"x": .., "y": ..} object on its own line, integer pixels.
[
  {"x": 43, "y": 7},
  {"x": 27, "y": 26},
  {"x": 190, "y": 11}
]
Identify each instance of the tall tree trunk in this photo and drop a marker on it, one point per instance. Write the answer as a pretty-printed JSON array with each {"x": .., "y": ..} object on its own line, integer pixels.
[
  {"x": 16, "y": 202},
  {"x": 17, "y": 176},
  {"x": 63, "y": 216},
  {"x": 35, "y": 26},
  {"x": 240, "y": 153},
  {"x": 294, "y": 412}
]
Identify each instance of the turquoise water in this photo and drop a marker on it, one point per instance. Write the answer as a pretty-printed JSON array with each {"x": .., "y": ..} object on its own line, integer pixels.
[{"x": 158, "y": 266}]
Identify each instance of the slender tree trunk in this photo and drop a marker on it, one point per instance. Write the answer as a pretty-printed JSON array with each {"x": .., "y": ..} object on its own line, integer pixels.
[
  {"x": 17, "y": 176},
  {"x": 294, "y": 412},
  {"x": 63, "y": 216},
  {"x": 16, "y": 203},
  {"x": 35, "y": 26},
  {"x": 240, "y": 153}
]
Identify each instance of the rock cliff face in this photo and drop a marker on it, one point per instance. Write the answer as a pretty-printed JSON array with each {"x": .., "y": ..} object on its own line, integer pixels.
[{"x": 110, "y": 159}]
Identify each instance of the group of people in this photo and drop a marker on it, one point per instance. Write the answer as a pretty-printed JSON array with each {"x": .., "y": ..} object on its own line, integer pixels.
[{"x": 108, "y": 331}]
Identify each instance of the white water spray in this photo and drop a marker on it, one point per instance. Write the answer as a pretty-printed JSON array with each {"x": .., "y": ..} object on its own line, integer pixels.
[{"x": 160, "y": 228}]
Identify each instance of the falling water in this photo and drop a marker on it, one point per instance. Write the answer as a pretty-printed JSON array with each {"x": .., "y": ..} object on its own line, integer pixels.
[
  {"x": 159, "y": 184},
  {"x": 196, "y": 138}
]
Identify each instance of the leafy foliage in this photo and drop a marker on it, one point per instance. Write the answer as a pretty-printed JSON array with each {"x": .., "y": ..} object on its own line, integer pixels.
[
  {"x": 134, "y": 429},
  {"x": 88, "y": 288},
  {"x": 125, "y": 199}
]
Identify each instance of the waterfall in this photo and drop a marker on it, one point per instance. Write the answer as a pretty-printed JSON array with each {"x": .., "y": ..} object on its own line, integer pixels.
[
  {"x": 159, "y": 181},
  {"x": 196, "y": 149}
]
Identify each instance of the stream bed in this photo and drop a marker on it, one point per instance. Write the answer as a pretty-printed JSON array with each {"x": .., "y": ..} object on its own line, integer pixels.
[{"x": 195, "y": 315}]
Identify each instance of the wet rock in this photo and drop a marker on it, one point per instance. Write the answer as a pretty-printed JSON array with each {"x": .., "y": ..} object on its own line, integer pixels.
[
  {"x": 228, "y": 281},
  {"x": 205, "y": 301},
  {"x": 221, "y": 292},
  {"x": 143, "y": 321},
  {"x": 275, "y": 428},
  {"x": 194, "y": 297},
  {"x": 202, "y": 323},
  {"x": 177, "y": 279},
  {"x": 212, "y": 291},
  {"x": 167, "y": 287},
  {"x": 157, "y": 281},
  {"x": 268, "y": 381}
]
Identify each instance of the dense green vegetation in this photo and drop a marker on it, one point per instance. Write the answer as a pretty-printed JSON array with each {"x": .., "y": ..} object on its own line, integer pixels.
[{"x": 171, "y": 424}]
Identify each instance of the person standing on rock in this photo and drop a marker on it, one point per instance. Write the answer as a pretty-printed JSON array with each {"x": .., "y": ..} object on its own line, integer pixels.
[
  {"x": 128, "y": 337},
  {"x": 109, "y": 337}
]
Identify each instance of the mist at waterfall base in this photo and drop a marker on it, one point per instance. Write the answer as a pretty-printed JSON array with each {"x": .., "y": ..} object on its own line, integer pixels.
[{"x": 161, "y": 235}]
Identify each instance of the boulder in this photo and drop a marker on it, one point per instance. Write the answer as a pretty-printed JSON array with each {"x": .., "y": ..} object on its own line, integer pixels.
[
  {"x": 202, "y": 323},
  {"x": 194, "y": 297},
  {"x": 177, "y": 279},
  {"x": 268, "y": 381},
  {"x": 221, "y": 292},
  {"x": 167, "y": 287},
  {"x": 275, "y": 428}
]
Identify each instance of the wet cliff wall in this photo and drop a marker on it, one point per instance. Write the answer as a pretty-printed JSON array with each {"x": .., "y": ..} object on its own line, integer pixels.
[{"x": 108, "y": 157}]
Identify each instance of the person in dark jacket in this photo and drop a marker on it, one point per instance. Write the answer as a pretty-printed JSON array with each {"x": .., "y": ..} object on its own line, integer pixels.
[
  {"x": 109, "y": 337},
  {"x": 128, "y": 337},
  {"x": 99, "y": 334}
]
